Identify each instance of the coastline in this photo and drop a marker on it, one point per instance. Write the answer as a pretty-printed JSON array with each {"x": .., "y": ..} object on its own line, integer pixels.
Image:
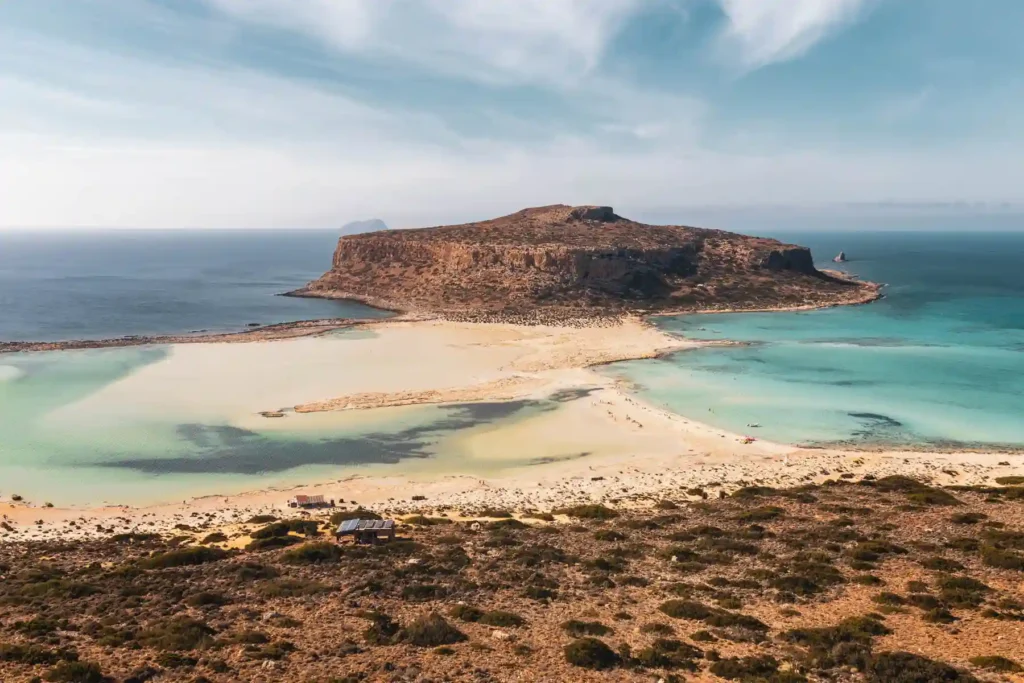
[
  {"x": 607, "y": 445},
  {"x": 627, "y": 451},
  {"x": 867, "y": 293}
]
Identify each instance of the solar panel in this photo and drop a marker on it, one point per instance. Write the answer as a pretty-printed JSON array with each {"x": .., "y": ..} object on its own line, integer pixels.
[{"x": 348, "y": 526}]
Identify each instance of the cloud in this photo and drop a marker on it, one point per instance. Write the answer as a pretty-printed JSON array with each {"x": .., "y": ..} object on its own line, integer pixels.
[
  {"x": 107, "y": 135},
  {"x": 496, "y": 41},
  {"x": 762, "y": 32}
]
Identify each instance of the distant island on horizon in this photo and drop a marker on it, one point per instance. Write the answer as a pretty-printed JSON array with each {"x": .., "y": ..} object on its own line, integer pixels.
[{"x": 360, "y": 227}]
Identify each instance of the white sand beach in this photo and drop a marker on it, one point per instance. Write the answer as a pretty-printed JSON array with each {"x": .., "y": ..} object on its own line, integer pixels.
[{"x": 604, "y": 445}]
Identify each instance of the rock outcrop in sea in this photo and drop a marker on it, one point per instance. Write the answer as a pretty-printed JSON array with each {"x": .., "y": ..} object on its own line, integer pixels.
[
  {"x": 558, "y": 262},
  {"x": 841, "y": 258}
]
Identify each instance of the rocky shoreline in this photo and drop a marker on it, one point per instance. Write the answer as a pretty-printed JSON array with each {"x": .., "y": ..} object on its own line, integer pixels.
[{"x": 867, "y": 292}]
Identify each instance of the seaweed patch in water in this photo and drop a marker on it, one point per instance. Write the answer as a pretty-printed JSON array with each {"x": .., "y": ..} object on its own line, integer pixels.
[{"x": 229, "y": 450}]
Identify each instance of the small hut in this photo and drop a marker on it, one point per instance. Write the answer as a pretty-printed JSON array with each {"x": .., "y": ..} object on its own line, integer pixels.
[
  {"x": 367, "y": 531},
  {"x": 307, "y": 502}
]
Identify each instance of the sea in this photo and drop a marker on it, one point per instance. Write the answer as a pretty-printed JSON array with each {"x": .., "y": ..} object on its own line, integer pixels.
[{"x": 939, "y": 361}]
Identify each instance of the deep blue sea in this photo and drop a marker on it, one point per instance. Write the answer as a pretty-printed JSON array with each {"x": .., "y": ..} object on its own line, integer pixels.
[
  {"x": 97, "y": 285},
  {"x": 939, "y": 360}
]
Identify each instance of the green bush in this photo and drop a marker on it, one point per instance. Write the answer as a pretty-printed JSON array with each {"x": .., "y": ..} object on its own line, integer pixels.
[
  {"x": 923, "y": 601},
  {"x": 888, "y": 598},
  {"x": 383, "y": 630},
  {"x": 848, "y": 643},
  {"x": 507, "y": 524},
  {"x": 183, "y": 558},
  {"x": 1001, "y": 559},
  {"x": 500, "y": 618},
  {"x": 312, "y": 553},
  {"x": 940, "y": 564},
  {"x": 76, "y": 672},
  {"x": 1010, "y": 481},
  {"x": 746, "y": 668},
  {"x": 431, "y": 631},
  {"x": 756, "y": 492},
  {"x": 962, "y": 591},
  {"x": 420, "y": 592},
  {"x": 905, "y": 667},
  {"x": 421, "y": 520},
  {"x": 39, "y": 627},
  {"x": 590, "y": 653},
  {"x": 996, "y": 662},
  {"x": 968, "y": 517},
  {"x": 261, "y": 519},
  {"x": 933, "y": 497},
  {"x": 30, "y": 654},
  {"x": 465, "y": 613},
  {"x": 494, "y": 514},
  {"x": 215, "y": 537},
  {"x": 305, "y": 527},
  {"x": 251, "y": 571},
  {"x": 761, "y": 514},
  {"x": 964, "y": 544},
  {"x": 592, "y": 511},
  {"x": 657, "y": 629},
  {"x": 272, "y": 543},
  {"x": 179, "y": 634},
  {"x": 206, "y": 599},
  {"x": 664, "y": 653},
  {"x": 685, "y": 609}
]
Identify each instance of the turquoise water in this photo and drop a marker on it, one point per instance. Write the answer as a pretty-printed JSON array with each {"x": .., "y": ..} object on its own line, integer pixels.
[
  {"x": 54, "y": 450},
  {"x": 940, "y": 360}
]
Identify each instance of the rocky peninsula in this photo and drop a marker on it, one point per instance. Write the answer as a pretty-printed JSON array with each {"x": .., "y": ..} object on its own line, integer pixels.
[{"x": 558, "y": 263}]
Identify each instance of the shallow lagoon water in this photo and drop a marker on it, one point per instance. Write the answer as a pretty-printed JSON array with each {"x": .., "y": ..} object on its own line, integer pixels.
[
  {"x": 940, "y": 360},
  {"x": 56, "y": 447}
]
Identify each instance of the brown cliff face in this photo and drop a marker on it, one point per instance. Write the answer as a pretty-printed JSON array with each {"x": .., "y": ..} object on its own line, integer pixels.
[{"x": 573, "y": 261}]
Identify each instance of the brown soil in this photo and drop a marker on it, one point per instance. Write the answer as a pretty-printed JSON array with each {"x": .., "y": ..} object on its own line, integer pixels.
[{"x": 733, "y": 586}]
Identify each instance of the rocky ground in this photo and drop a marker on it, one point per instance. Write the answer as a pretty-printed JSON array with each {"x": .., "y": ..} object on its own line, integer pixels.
[{"x": 877, "y": 580}]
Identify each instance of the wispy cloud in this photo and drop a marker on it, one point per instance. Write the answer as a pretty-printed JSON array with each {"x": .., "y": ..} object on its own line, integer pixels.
[
  {"x": 528, "y": 102},
  {"x": 761, "y": 32},
  {"x": 492, "y": 41}
]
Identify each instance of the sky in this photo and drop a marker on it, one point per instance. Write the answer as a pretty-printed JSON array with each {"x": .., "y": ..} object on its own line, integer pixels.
[{"x": 313, "y": 113}]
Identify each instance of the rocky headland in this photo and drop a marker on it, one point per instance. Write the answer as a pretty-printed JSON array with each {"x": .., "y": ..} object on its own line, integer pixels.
[{"x": 563, "y": 262}]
